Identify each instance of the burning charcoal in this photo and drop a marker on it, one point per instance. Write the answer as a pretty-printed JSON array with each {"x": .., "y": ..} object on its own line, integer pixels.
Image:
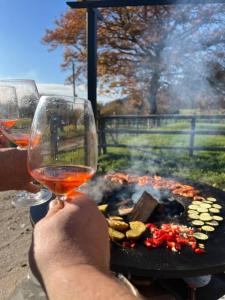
[
  {"x": 167, "y": 211},
  {"x": 143, "y": 208}
]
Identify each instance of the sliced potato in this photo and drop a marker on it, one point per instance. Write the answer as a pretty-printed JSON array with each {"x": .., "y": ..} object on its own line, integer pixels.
[
  {"x": 217, "y": 218},
  {"x": 200, "y": 236},
  {"x": 198, "y": 223},
  {"x": 118, "y": 218},
  {"x": 137, "y": 229},
  {"x": 118, "y": 225},
  {"x": 214, "y": 210},
  {"x": 103, "y": 207},
  {"x": 116, "y": 235},
  {"x": 208, "y": 228}
]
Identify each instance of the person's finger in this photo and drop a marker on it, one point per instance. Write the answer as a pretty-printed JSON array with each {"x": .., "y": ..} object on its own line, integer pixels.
[{"x": 54, "y": 206}]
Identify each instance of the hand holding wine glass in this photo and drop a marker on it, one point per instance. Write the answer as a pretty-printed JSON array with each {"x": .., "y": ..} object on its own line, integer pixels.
[
  {"x": 63, "y": 137},
  {"x": 18, "y": 101}
]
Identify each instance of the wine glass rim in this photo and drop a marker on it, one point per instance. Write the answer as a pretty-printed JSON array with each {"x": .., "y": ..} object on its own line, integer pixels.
[
  {"x": 8, "y": 87},
  {"x": 16, "y": 80}
]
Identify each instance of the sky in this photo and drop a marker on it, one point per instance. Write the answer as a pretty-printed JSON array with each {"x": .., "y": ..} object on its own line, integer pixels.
[{"x": 22, "y": 53}]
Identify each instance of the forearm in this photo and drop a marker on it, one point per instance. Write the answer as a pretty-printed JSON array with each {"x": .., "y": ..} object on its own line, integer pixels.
[
  {"x": 6, "y": 168},
  {"x": 13, "y": 172},
  {"x": 85, "y": 282}
]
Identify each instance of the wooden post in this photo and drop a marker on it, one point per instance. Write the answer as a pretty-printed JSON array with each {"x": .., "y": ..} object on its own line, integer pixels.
[
  {"x": 192, "y": 136},
  {"x": 102, "y": 137}
]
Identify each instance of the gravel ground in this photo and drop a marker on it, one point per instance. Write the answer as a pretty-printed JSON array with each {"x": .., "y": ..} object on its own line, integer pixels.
[{"x": 15, "y": 237}]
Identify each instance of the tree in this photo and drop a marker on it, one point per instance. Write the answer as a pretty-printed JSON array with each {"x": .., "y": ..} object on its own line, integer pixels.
[{"x": 146, "y": 50}]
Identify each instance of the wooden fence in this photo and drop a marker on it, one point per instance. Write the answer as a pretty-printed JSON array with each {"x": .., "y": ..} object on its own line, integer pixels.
[{"x": 113, "y": 126}]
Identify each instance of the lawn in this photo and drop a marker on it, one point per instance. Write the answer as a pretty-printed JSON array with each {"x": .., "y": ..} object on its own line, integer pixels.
[{"x": 204, "y": 166}]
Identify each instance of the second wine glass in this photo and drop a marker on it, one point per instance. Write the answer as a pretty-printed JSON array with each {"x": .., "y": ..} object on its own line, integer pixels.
[
  {"x": 22, "y": 107},
  {"x": 62, "y": 153}
]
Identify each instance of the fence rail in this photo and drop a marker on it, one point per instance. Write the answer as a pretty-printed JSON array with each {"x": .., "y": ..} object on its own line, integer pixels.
[{"x": 114, "y": 126}]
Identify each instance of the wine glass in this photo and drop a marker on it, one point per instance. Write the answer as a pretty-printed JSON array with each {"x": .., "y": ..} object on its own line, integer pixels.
[
  {"x": 64, "y": 139},
  {"x": 8, "y": 108},
  {"x": 19, "y": 130}
]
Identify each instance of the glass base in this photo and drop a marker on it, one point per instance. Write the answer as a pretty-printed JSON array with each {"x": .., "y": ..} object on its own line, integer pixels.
[{"x": 26, "y": 199}]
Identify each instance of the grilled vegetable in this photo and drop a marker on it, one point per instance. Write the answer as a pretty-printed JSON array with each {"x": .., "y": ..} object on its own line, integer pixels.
[
  {"x": 217, "y": 206},
  {"x": 196, "y": 202},
  {"x": 211, "y": 199},
  {"x": 137, "y": 229},
  {"x": 194, "y": 216},
  {"x": 205, "y": 217},
  {"x": 217, "y": 218},
  {"x": 214, "y": 210},
  {"x": 208, "y": 228},
  {"x": 118, "y": 218},
  {"x": 200, "y": 236},
  {"x": 198, "y": 223},
  {"x": 202, "y": 209},
  {"x": 193, "y": 207},
  {"x": 118, "y": 225},
  {"x": 212, "y": 223},
  {"x": 116, "y": 235},
  {"x": 205, "y": 205},
  {"x": 103, "y": 207}
]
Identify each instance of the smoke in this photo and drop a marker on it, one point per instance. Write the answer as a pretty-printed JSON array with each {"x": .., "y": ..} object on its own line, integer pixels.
[
  {"x": 97, "y": 188},
  {"x": 188, "y": 55}
]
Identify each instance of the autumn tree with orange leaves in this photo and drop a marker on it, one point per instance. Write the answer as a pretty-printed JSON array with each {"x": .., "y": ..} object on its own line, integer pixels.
[{"x": 150, "y": 52}]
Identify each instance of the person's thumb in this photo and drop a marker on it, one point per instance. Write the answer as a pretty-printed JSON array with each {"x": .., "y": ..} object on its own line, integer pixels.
[{"x": 54, "y": 206}]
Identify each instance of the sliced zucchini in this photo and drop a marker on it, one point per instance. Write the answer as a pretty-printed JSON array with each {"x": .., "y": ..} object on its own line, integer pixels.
[
  {"x": 198, "y": 223},
  {"x": 213, "y": 223},
  {"x": 193, "y": 207},
  {"x": 205, "y": 205},
  {"x": 202, "y": 209},
  {"x": 214, "y": 210},
  {"x": 205, "y": 217},
  {"x": 196, "y": 202},
  {"x": 217, "y": 206},
  {"x": 217, "y": 218},
  {"x": 211, "y": 199},
  {"x": 200, "y": 236},
  {"x": 208, "y": 202},
  {"x": 208, "y": 228},
  {"x": 193, "y": 216}
]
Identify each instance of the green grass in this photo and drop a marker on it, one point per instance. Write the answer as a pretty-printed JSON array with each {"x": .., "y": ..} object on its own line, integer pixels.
[{"x": 205, "y": 166}]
